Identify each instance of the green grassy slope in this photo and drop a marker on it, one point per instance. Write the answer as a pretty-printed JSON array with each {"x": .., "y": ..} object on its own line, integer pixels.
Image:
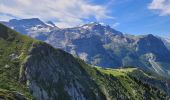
[
  {"x": 125, "y": 83},
  {"x": 13, "y": 50}
]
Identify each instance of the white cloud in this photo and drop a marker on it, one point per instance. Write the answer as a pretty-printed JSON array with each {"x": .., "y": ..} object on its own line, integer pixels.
[
  {"x": 116, "y": 24},
  {"x": 4, "y": 17},
  {"x": 162, "y": 6},
  {"x": 66, "y": 12}
]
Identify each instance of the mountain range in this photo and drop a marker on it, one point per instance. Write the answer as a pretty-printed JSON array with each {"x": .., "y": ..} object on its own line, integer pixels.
[
  {"x": 101, "y": 45},
  {"x": 32, "y": 69}
]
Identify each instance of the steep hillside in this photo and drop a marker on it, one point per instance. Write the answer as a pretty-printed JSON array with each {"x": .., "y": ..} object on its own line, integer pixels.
[
  {"x": 13, "y": 50},
  {"x": 101, "y": 45},
  {"x": 31, "y": 69}
]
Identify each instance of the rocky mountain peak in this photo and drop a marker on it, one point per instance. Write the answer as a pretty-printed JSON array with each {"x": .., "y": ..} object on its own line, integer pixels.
[
  {"x": 96, "y": 27},
  {"x": 150, "y": 43},
  {"x": 50, "y": 23},
  {"x": 28, "y": 22},
  {"x": 92, "y": 25}
]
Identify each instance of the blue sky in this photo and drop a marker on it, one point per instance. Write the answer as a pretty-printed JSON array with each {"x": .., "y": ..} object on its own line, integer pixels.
[
  {"x": 135, "y": 17},
  {"x": 128, "y": 16}
]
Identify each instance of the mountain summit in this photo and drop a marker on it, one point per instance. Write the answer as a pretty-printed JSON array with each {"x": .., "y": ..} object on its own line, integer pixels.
[{"x": 26, "y": 22}]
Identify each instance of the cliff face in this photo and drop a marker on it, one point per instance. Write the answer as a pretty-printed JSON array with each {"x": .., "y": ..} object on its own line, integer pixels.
[
  {"x": 56, "y": 74},
  {"x": 30, "y": 69}
]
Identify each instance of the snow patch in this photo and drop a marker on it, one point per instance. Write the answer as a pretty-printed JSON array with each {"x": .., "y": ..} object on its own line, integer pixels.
[
  {"x": 155, "y": 65},
  {"x": 83, "y": 56}
]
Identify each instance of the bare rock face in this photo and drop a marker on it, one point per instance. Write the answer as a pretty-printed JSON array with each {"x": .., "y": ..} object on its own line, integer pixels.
[
  {"x": 55, "y": 74},
  {"x": 12, "y": 96}
]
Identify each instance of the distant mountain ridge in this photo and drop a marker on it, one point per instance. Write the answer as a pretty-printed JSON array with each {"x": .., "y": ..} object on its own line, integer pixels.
[
  {"x": 104, "y": 46},
  {"x": 33, "y": 27}
]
